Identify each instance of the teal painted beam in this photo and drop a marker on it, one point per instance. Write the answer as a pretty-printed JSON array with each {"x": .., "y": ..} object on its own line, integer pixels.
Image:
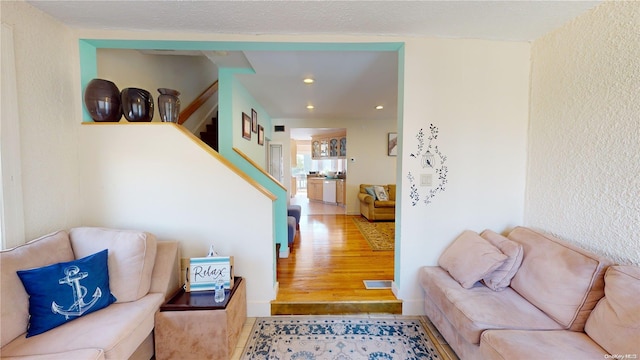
[
  {"x": 240, "y": 45},
  {"x": 399, "y": 172},
  {"x": 88, "y": 71},
  {"x": 226, "y": 123},
  {"x": 88, "y": 68}
]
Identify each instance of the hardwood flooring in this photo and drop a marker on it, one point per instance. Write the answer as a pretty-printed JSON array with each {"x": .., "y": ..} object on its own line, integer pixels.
[{"x": 324, "y": 273}]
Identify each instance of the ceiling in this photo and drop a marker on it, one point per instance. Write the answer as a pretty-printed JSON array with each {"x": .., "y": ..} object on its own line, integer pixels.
[{"x": 349, "y": 84}]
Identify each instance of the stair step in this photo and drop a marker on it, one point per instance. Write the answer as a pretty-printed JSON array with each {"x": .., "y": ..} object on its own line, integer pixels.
[{"x": 336, "y": 307}]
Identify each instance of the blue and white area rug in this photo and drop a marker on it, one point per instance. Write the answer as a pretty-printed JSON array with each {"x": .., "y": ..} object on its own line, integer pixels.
[{"x": 338, "y": 338}]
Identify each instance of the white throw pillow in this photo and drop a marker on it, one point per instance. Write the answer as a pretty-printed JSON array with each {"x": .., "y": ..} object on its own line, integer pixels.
[
  {"x": 381, "y": 194},
  {"x": 470, "y": 258}
]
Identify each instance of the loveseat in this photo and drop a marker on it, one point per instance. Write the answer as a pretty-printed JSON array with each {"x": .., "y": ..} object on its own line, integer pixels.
[
  {"x": 375, "y": 208},
  {"x": 142, "y": 273},
  {"x": 531, "y": 296}
]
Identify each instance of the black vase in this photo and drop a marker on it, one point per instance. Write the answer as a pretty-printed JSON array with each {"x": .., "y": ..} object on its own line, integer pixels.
[
  {"x": 102, "y": 99},
  {"x": 169, "y": 105},
  {"x": 137, "y": 105}
]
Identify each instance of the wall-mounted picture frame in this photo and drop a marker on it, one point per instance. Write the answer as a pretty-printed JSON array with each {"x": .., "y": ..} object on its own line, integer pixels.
[
  {"x": 254, "y": 121},
  {"x": 392, "y": 144},
  {"x": 246, "y": 126},
  {"x": 260, "y": 135}
]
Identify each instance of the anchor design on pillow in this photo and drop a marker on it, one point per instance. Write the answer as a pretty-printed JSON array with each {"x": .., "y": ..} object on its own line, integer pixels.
[{"x": 79, "y": 307}]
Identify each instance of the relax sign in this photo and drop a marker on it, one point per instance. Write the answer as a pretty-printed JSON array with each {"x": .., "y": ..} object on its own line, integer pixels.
[{"x": 204, "y": 272}]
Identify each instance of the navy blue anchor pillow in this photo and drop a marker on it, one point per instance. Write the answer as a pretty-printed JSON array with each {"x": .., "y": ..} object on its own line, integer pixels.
[{"x": 63, "y": 292}]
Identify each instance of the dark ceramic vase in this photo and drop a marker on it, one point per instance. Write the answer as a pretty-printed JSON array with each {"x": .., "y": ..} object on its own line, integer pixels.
[
  {"x": 137, "y": 104},
  {"x": 169, "y": 105},
  {"x": 102, "y": 99}
]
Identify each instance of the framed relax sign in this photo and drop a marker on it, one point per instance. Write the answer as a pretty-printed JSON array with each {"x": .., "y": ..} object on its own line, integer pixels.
[{"x": 203, "y": 273}]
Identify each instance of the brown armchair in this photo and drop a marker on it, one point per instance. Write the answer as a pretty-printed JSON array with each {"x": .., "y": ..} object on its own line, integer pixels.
[{"x": 373, "y": 209}]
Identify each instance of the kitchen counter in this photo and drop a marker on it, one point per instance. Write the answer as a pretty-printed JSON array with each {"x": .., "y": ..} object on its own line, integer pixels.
[{"x": 328, "y": 190}]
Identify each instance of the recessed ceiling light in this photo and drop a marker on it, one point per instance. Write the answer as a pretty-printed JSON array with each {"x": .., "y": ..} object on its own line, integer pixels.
[
  {"x": 308, "y": 81},
  {"x": 310, "y": 107},
  {"x": 379, "y": 107}
]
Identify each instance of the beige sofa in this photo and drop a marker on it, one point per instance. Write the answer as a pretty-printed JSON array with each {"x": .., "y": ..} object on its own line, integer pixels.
[
  {"x": 143, "y": 272},
  {"x": 558, "y": 303},
  {"x": 374, "y": 209}
]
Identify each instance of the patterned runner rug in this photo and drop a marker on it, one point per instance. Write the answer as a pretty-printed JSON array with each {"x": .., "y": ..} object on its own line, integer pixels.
[
  {"x": 343, "y": 338},
  {"x": 380, "y": 235}
]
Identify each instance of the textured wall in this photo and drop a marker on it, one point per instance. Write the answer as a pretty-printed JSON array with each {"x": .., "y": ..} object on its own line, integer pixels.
[
  {"x": 583, "y": 180},
  {"x": 49, "y": 103}
]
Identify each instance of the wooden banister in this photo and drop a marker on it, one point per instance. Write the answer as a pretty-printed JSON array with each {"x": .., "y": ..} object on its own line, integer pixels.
[
  {"x": 260, "y": 168},
  {"x": 199, "y": 101}
]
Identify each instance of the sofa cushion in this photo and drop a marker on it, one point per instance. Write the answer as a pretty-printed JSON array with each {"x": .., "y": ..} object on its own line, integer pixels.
[
  {"x": 83, "y": 354},
  {"x": 132, "y": 255},
  {"x": 472, "y": 311},
  {"x": 559, "y": 344},
  {"x": 561, "y": 279},
  {"x": 615, "y": 321},
  {"x": 14, "y": 300},
  {"x": 384, "y": 204},
  {"x": 62, "y": 292},
  {"x": 391, "y": 188},
  {"x": 117, "y": 329},
  {"x": 470, "y": 258},
  {"x": 370, "y": 191},
  {"x": 500, "y": 278}
]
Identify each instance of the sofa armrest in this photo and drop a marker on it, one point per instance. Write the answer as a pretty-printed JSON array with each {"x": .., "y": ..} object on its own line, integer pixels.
[
  {"x": 366, "y": 198},
  {"x": 165, "y": 278}
]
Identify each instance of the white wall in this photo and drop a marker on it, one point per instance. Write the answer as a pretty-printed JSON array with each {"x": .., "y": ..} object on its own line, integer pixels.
[
  {"x": 366, "y": 143},
  {"x": 134, "y": 176},
  {"x": 49, "y": 105},
  {"x": 584, "y": 154},
  {"x": 190, "y": 75},
  {"x": 476, "y": 93}
]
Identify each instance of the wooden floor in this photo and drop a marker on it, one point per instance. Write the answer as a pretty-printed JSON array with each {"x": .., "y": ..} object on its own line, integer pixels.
[{"x": 324, "y": 274}]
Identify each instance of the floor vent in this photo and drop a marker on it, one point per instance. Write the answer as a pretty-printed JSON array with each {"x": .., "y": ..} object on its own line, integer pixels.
[{"x": 377, "y": 284}]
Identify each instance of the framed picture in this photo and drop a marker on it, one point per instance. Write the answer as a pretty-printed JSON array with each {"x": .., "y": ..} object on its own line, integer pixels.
[
  {"x": 254, "y": 121},
  {"x": 246, "y": 126},
  {"x": 203, "y": 273},
  {"x": 392, "y": 144},
  {"x": 260, "y": 135}
]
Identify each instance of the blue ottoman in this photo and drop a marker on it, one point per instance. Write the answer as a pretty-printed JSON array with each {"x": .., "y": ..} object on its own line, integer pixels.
[
  {"x": 291, "y": 227},
  {"x": 295, "y": 211}
]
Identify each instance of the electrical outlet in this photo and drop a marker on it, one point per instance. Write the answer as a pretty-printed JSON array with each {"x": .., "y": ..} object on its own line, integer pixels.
[{"x": 425, "y": 179}]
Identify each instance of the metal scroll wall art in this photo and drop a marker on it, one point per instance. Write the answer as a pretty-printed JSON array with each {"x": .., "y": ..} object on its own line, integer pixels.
[{"x": 433, "y": 166}]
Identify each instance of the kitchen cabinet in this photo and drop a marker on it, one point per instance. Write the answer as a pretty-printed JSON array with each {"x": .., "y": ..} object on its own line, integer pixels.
[
  {"x": 314, "y": 188},
  {"x": 324, "y": 147},
  {"x": 340, "y": 192},
  {"x": 333, "y": 146},
  {"x": 343, "y": 146},
  {"x": 315, "y": 148}
]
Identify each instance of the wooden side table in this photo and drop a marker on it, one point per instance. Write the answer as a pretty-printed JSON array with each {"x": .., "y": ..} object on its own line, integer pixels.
[{"x": 191, "y": 325}]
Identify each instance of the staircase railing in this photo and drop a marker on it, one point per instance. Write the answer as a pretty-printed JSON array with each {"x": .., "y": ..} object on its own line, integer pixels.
[
  {"x": 198, "y": 102},
  {"x": 260, "y": 168}
]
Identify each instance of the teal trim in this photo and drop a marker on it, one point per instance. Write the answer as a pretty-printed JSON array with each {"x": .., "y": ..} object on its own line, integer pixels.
[
  {"x": 399, "y": 172},
  {"x": 240, "y": 46},
  {"x": 88, "y": 71},
  {"x": 226, "y": 137}
]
